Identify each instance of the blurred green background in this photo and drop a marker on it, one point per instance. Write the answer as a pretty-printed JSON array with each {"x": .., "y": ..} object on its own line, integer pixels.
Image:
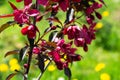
[{"x": 101, "y": 62}]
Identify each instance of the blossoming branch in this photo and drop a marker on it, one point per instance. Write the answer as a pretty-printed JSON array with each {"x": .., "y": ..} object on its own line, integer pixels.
[{"x": 57, "y": 48}]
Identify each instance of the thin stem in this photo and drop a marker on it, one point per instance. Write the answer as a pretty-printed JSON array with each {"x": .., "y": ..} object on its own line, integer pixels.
[
  {"x": 42, "y": 37},
  {"x": 31, "y": 41},
  {"x": 40, "y": 75}
]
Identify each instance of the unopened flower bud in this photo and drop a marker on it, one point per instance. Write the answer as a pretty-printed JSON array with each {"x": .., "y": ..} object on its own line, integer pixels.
[{"x": 25, "y": 65}]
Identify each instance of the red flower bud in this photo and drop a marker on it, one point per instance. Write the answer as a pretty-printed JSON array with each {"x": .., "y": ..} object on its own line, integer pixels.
[
  {"x": 24, "y": 30},
  {"x": 85, "y": 47},
  {"x": 98, "y": 15},
  {"x": 36, "y": 50},
  {"x": 30, "y": 31},
  {"x": 25, "y": 65},
  {"x": 53, "y": 27}
]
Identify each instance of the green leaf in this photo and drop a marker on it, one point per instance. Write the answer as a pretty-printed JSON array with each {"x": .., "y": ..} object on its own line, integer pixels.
[
  {"x": 67, "y": 72},
  {"x": 23, "y": 52},
  {"x": 6, "y": 25},
  {"x": 11, "y": 76},
  {"x": 11, "y": 52}
]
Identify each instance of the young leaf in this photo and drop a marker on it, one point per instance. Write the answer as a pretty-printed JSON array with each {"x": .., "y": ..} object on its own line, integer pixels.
[
  {"x": 11, "y": 76},
  {"x": 41, "y": 63},
  {"x": 47, "y": 29},
  {"x": 12, "y": 5},
  {"x": 55, "y": 19},
  {"x": 23, "y": 52},
  {"x": 53, "y": 44},
  {"x": 67, "y": 72},
  {"x": 6, "y": 25},
  {"x": 53, "y": 35},
  {"x": 11, "y": 52}
]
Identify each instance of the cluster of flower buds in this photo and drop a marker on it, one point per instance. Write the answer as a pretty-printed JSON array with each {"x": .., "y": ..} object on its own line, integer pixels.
[{"x": 57, "y": 48}]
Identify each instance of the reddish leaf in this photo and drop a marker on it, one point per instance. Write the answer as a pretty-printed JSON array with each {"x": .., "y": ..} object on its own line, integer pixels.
[
  {"x": 11, "y": 52},
  {"x": 23, "y": 52},
  {"x": 55, "y": 19},
  {"x": 41, "y": 63},
  {"x": 6, "y": 25},
  {"x": 53, "y": 35},
  {"x": 33, "y": 12},
  {"x": 67, "y": 72},
  {"x": 12, "y": 5},
  {"x": 11, "y": 76},
  {"x": 53, "y": 44}
]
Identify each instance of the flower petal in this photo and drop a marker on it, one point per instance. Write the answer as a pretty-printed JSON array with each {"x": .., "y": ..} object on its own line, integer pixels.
[{"x": 33, "y": 12}]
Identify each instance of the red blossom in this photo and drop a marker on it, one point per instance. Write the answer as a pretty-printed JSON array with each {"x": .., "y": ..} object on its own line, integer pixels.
[
  {"x": 36, "y": 50},
  {"x": 71, "y": 31},
  {"x": 30, "y": 31},
  {"x": 22, "y": 16}
]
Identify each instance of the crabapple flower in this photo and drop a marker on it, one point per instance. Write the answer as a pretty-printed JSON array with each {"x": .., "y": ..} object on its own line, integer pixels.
[
  {"x": 30, "y": 31},
  {"x": 71, "y": 31},
  {"x": 22, "y": 16},
  {"x": 82, "y": 36},
  {"x": 36, "y": 50},
  {"x": 61, "y": 51}
]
